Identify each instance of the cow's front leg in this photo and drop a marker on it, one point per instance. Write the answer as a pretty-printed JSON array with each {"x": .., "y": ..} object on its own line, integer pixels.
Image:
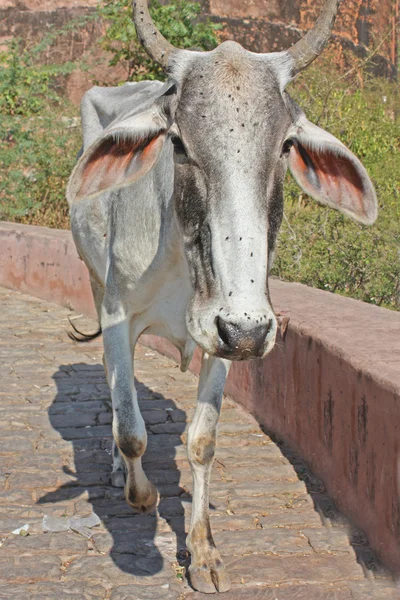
[
  {"x": 128, "y": 426},
  {"x": 207, "y": 572}
]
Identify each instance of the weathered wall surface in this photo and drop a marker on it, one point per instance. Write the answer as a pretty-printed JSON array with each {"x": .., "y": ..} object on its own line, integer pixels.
[
  {"x": 363, "y": 22},
  {"x": 260, "y": 25},
  {"x": 270, "y": 25},
  {"x": 331, "y": 389}
]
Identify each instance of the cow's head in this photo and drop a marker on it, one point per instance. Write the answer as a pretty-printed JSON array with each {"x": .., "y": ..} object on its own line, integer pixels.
[{"x": 234, "y": 131}]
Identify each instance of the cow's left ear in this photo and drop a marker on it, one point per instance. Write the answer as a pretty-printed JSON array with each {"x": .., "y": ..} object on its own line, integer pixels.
[
  {"x": 125, "y": 152},
  {"x": 327, "y": 171},
  {"x": 122, "y": 155}
]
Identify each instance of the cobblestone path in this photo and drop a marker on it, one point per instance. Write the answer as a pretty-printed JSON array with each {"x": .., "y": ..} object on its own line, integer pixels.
[{"x": 279, "y": 541}]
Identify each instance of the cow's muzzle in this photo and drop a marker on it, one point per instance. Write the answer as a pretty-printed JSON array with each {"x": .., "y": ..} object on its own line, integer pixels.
[
  {"x": 236, "y": 333},
  {"x": 240, "y": 343}
]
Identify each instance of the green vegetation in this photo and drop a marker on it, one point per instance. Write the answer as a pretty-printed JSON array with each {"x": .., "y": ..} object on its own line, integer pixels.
[
  {"x": 317, "y": 246},
  {"x": 26, "y": 86},
  {"x": 37, "y": 155},
  {"x": 37, "y": 150}
]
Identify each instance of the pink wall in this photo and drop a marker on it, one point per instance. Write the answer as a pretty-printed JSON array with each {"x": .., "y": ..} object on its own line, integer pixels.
[
  {"x": 331, "y": 389},
  {"x": 44, "y": 263}
]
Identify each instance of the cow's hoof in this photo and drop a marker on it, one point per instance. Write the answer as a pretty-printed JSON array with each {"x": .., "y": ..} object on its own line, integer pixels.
[
  {"x": 118, "y": 479},
  {"x": 142, "y": 500},
  {"x": 209, "y": 579}
]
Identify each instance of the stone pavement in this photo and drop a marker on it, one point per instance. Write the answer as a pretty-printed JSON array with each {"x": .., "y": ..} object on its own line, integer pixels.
[{"x": 277, "y": 530}]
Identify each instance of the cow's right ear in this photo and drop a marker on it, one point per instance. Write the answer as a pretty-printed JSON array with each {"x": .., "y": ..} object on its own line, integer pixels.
[{"x": 126, "y": 151}]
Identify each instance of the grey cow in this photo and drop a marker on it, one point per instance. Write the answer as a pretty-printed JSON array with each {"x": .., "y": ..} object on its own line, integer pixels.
[{"x": 176, "y": 204}]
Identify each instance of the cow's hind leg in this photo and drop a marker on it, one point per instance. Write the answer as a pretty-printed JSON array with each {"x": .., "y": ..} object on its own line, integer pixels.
[
  {"x": 118, "y": 469},
  {"x": 207, "y": 572},
  {"x": 118, "y": 473},
  {"x": 128, "y": 425}
]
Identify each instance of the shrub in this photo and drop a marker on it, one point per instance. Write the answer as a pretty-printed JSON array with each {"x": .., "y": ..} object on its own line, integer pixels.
[
  {"x": 28, "y": 85},
  {"x": 37, "y": 151},
  {"x": 37, "y": 155}
]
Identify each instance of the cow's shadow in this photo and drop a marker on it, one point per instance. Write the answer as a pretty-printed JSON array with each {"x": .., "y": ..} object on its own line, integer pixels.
[{"x": 86, "y": 422}]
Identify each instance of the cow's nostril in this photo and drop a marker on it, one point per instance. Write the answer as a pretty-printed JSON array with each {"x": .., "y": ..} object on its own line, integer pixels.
[
  {"x": 258, "y": 335},
  {"x": 228, "y": 332}
]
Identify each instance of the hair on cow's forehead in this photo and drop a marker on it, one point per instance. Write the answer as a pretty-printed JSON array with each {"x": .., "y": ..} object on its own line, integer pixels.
[{"x": 229, "y": 62}]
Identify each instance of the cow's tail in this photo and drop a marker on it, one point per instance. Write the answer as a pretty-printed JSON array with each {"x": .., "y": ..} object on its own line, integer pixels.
[{"x": 79, "y": 336}]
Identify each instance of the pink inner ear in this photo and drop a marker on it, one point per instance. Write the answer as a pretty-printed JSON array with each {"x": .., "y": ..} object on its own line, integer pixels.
[
  {"x": 329, "y": 178},
  {"x": 115, "y": 163}
]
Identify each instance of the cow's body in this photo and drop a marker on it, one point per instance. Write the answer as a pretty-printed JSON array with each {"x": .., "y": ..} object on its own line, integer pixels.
[
  {"x": 176, "y": 204},
  {"x": 129, "y": 237}
]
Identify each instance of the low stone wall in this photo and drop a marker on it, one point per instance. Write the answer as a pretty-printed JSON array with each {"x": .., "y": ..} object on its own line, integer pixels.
[
  {"x": 331, "y": 389},
  {"x": 44, "y": 263}
]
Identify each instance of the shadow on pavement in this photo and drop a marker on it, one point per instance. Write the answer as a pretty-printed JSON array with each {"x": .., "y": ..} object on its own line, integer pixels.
[{"x": 81, "y": 413}]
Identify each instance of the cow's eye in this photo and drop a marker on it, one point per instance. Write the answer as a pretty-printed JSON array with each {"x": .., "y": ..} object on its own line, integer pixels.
[
  {"x": 178, "y": 145},
  {"x": 286, "y": 147}
]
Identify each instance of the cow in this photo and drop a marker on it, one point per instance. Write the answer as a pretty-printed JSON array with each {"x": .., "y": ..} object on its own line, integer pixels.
[{"x": 175, "y": 204}]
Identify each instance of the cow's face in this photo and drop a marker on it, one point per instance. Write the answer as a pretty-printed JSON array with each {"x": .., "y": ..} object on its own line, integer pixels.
[
  {"x": 234, "y": 131},
  {"x": 230, "y": 154}
]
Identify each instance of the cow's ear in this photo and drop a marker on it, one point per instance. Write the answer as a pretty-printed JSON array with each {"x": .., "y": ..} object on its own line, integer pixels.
[
  {"x": 327, "y": 171},
  {"x": 125, "y": 152}
]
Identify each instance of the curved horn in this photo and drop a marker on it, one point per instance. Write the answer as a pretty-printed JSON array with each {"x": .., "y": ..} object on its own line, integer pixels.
[
  {"x": 311, "y": 45},
  {"x": 155, "y": 44}
]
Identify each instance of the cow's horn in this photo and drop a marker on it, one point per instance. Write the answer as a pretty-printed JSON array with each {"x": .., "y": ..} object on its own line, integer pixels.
[
  {"x": 151, "y": 39},
  {"x": 311, "y": 45}
]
